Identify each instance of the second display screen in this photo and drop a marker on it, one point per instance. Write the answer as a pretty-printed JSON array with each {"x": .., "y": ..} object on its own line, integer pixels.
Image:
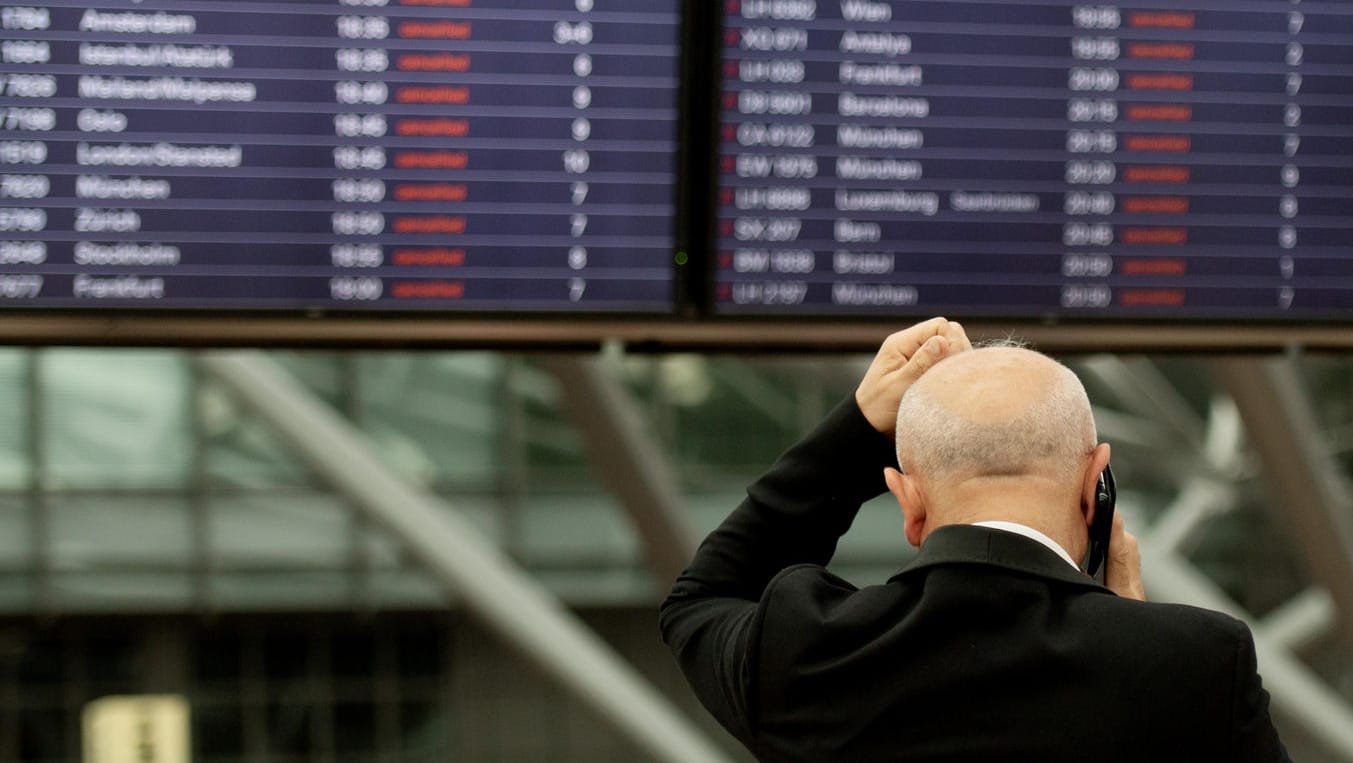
[{"x": 1012, "y": 159}]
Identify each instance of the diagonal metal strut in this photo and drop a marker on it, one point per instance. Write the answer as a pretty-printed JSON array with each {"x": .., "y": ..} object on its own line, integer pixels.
[
  {"x": 1312, "y": 494},
  {"x": 626, "y": 460},
  {"x": 466, "y": 564}
]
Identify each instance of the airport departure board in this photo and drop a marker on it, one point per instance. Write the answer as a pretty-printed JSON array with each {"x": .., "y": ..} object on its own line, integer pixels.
[
  {"x": 717, "y": 163},
  {"x": 1168, "y": 159},
  {"x": 457, "y": 155}
]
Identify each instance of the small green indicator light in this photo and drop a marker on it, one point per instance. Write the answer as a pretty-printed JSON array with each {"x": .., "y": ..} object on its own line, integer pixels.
[{"x": 681, "y": 258}]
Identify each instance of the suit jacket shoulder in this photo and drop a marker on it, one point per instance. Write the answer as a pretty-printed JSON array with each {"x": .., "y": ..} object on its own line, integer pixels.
[{"x": 990, "y": 647}]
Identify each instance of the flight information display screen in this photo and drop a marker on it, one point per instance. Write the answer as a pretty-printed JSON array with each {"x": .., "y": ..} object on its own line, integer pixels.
[
  {"x": 458, "y": 155},
  {"x": 1190, "y": 158}
]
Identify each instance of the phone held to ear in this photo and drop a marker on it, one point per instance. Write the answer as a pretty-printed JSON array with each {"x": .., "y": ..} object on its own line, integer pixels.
[{"x": 1106, "y": 495}]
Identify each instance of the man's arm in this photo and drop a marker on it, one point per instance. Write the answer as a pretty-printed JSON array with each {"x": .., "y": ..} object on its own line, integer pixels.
[
  {"x": 793, "y": 514},
  {"x": 1255, "y": 738}
]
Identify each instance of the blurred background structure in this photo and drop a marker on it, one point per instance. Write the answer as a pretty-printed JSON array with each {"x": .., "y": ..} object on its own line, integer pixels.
[{"x": 205, "y": 525}]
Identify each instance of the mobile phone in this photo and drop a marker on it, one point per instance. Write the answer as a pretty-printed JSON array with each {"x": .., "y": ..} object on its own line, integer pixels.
[{"x": 1106, "y": 495}]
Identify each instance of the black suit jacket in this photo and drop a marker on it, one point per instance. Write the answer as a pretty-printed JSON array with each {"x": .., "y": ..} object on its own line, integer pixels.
[{"x": 988, "y": 646}]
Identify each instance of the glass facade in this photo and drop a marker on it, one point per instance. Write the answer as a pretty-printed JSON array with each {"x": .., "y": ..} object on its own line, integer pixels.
[{"x": 156, "y": 536}]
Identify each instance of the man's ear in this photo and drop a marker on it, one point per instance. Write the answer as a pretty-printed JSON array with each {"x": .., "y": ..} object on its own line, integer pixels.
[
  {"x": 912, "y": 501},
  {"x": 1099, "y": 460}
]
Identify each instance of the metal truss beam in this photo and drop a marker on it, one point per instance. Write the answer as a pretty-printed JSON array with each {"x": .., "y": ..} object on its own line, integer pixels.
[
  {"x": 1310, "y": 494},
  {"x": 466, "y": 564},
  {"x": 1145, "y": 391},
  {"x": 626, "y": 460},
  {"x": 1301, "y": 621}
]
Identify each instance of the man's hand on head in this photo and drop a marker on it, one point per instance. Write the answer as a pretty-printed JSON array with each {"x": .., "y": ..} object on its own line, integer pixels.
[
  {"x": 904, "y": 356},
  {"x": 1123, "y": 565}
]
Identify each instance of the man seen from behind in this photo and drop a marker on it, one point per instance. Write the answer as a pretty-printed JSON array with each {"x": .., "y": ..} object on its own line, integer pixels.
[{"x": 992, "y": 644}]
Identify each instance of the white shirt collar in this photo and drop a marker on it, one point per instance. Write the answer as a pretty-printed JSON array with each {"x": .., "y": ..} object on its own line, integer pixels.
[{"x": 1032, "y": 534}]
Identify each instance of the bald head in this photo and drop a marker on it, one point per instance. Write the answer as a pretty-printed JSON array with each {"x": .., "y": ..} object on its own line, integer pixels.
[{"x": 996, "y": 411}]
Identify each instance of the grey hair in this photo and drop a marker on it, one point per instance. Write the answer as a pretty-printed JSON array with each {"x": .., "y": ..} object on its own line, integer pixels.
[
  {"x": 1010, "y": 341},
  {"x": 1054, "y": 433}
]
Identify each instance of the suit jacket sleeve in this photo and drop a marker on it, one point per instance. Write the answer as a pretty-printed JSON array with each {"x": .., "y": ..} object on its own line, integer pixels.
[
  {"x": 1256, "y": 739},
  {"x": 793, "y": 514}
]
